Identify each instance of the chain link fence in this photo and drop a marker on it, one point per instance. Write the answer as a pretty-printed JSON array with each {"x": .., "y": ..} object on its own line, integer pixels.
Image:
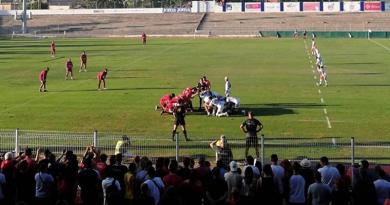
[{"x": 340, "y": 150}]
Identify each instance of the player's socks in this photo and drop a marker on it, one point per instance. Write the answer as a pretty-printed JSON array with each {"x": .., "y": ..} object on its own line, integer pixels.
[
  {"x": 185, "y": 135},
  {"x": 173, "y": 135}
]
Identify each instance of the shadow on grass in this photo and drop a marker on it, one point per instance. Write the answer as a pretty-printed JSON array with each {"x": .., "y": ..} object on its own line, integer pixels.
[
  {"x": 363, "y": 85},
  {"x": 125, "y": 77},
  {"x": 112, "y": 89},
  {"x": 53, "y": 59}
]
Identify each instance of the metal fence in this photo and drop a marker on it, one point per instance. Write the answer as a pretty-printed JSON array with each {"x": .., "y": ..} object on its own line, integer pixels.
[{"x": 342, "y": 150}]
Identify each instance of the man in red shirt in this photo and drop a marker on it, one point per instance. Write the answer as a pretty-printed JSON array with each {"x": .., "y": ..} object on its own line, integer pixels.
[
  {"x": 42, "y": 79},
  {"x": 143, "y": 38},
  {"x": 53, "y": 48},
  {"x": 69, "y": 69},
  {"x": 206, "y": 83},
  {"x": 83, "y": 62},
  {"x": 101, "y": 76}
]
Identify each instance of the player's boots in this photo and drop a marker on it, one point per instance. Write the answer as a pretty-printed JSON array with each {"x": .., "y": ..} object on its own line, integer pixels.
[
  {"x": 173, "y": 135},
  {"x": 185, "y": 136}
]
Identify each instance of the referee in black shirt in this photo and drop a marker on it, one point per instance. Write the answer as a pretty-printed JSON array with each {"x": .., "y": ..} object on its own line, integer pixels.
[
  {"x": 251, "y": 127},
  {"x": 179, "y": 114}
]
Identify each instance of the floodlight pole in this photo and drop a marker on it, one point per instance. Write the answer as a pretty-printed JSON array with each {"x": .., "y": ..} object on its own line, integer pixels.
[{"x": 24, "y": 17}]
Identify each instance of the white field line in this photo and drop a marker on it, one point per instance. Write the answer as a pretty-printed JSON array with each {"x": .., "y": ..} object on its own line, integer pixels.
[
  {"x": 319, "y": 91},
  {"x": 328, "y": 121},
  {"x": 325, "y": 111},
  {"x": 322, "y": 100},
  {"x": 379, "y": 44}
]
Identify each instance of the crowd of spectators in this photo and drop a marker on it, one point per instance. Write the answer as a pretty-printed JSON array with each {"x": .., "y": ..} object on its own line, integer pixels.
[{"x": 100, "y": 179}]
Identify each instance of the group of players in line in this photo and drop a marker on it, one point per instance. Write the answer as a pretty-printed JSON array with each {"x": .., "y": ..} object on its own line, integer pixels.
[
  {"x": 101, "y": 76},
  {"x": 319, "y": 64}
]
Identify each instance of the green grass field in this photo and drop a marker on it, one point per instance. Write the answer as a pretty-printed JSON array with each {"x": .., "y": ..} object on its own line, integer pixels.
[{"x": 272, "y": 77}]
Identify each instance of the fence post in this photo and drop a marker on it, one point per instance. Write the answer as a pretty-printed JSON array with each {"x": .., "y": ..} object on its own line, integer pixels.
[
  {"x": 262, "y": 150},
  {"x": 95, "y": 136},
  {"x": 352, "y": 159},
  {"x": 16, "y": 141},
  {"x": 177, "y": 146}
]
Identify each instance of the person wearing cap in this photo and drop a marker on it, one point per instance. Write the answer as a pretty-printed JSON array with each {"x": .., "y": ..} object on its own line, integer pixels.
[
  {"x": 222, "y": 149},
  {"x": 307, "y": 173},
  {"x": 228, "y": 87},
  {"x": 123, "y": 146},
  {"x": 233, "y": 178},
  {"x": 251, "y": 126}
]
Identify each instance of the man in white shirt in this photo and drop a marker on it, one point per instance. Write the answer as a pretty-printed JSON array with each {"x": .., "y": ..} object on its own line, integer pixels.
[
  {"x": 250, "y": 164},
  {"x": 278, "y": 172},
  {"x": 228, "y": 86},
  {"x": 329, "y": 174},
  {"x": 107, "y": 182},
  {"x": 382, "y": 186},
  {"x": 155, "y": 185}
]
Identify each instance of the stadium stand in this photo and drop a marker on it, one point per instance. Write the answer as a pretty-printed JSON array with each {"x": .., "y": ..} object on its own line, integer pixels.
[
  {"x": 186, "y": 24},
  {"x": 250, "y": 23},
  {"x": 106, "y": 25}
]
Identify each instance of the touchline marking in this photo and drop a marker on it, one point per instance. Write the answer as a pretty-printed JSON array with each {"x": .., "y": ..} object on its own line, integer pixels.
[
  {"x": 313, "y": 71},
  {"x": 379, "y": 44},
  {"x": 322, "y": 100},
  {"x": 328, "y": 121},
  {"x": 319, "y": 91},
  {"x": 325, "y": 111},
  {"x": 315, "y": 77}
]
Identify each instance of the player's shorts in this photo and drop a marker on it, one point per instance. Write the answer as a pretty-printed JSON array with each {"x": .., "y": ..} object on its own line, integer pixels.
[
  {"x": 252, "y": 141},
  {"x": 180, "y": 122},
  {"x": 84, "y": 62},
  {"x": 53, "y": 50},
  {"x": 69, "y": 69}
]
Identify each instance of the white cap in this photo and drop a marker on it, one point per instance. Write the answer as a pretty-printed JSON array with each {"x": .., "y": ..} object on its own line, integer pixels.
[{"x": 233, "y": 166}]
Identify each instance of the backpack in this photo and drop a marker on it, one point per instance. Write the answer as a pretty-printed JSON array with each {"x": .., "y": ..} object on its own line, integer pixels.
[{"x": 113, "y": 194}]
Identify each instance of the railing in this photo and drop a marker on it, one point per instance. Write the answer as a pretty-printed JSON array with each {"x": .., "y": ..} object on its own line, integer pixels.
[{"x": 343, "y": 150}]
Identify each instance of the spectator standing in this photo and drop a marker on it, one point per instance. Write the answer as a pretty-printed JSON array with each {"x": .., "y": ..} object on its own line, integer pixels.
[
  {"x": 155, "y": 185},
  {"x": 123, "y": 146},
  {"x": 318, "y": 193},
  {"x": 382, "y": 186},
  {"x": 278, "y": 173},
  {"x": 267, "y": 189},
  {"x": 129, "y": 180},
  {"x": 111, "y": 189},
  {"x": 144, "y": 198},
  {"x": 364, "y": 192},
  {"x": 249, "y": 186},
  {"x": 172, "y": 179},
  {"x": 307, "y": 173},
  {"x": 251, "y": 127},
  {"x": 217, "y": 192},
  {"x": 340, "y": 194},
  {"x": 89, "y": 183},
  {"x": 329, "y": 174},
  {"x": 296, "y": 187},
  {"x": 2, "y": 186},
  {"x": 222, "y": 148},
  {"x": 44, "y": 184},
  {"x": 228, "y": 87},
  {"x": 233, "y": 178},
  {"x": 250, "y": 164}
]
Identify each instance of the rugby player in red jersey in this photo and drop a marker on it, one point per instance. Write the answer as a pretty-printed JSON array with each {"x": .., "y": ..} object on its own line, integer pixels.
[
  {"x": 101, "y": 76},
  {"x": 83, "y": 62},
  {"x": 69, "y": 69},
  {"x": 164, "y": 102},
  {"x": 42, "y": 79},
  {"x": 143, "y": 38},
  {"x": 206, "y": 83},
  {"x": 53, "y": 48}
]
